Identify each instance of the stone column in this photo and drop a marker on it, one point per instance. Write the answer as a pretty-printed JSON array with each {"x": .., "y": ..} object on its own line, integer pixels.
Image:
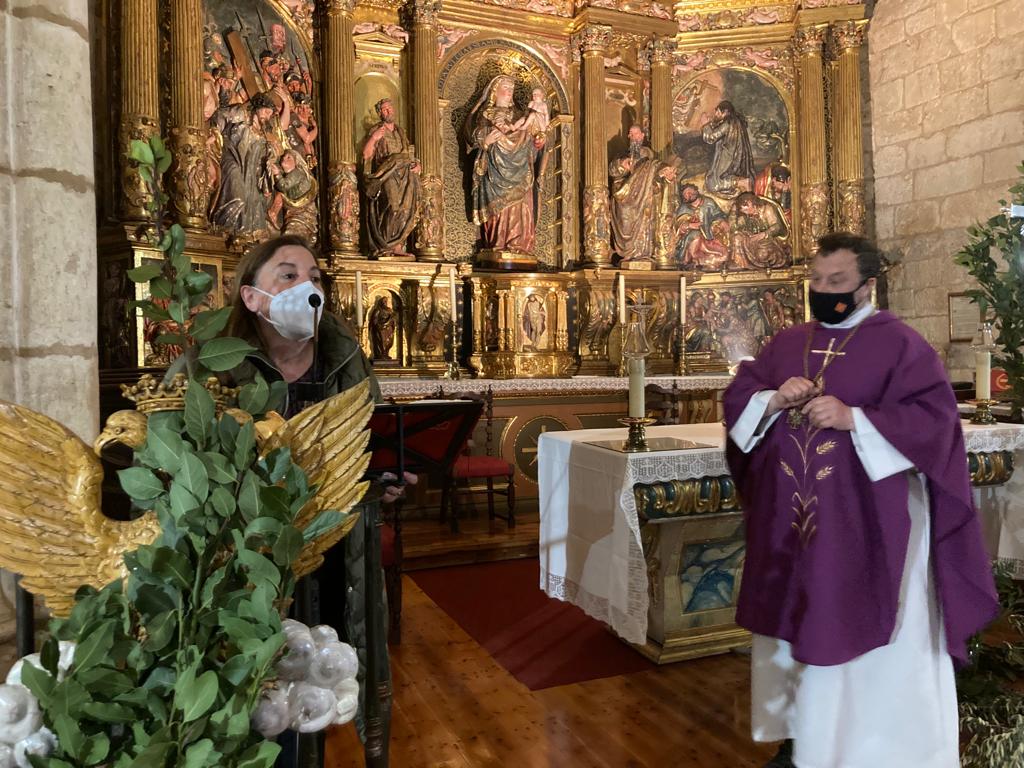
[
  {"x": 597, "y": 249},
  {"x": 140, "y": 97},
  {"x": 662, "y": 58},
  {"x": 187, "y": 129},
  {"x": 847, "y": 37},
  {"x": 427, "y": 127},
  {"x": 814, "y": 196},
  {"x": 339, "y": 129}
]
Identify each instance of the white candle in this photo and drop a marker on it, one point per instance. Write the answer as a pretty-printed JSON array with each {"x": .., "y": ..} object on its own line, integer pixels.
[
  {"x": 451, "y": 292},
  {"x": 359, "y": 299},
  {"x": 636, "y": 387},
  {"x": 622, "y": 299},
  {"x": 983, "y": 375},
  {"x": 682, "y": 301}
]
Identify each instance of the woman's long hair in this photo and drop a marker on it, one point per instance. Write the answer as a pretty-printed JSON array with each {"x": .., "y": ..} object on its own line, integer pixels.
[{"x": 242, "y": 322}]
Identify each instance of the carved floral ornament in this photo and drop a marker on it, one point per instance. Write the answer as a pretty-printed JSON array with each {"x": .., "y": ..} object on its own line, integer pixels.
[
  {"x": 811, "y": 40},
  {"x": 848, "y": 34},
  {"x": 594, "y": 38}
]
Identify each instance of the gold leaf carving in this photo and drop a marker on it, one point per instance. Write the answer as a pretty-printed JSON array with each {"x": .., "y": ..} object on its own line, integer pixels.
[
  {"x": 825, "y": 447},
  {"x": 786, "y": 469},
  {"x": 823, "y": 473}
]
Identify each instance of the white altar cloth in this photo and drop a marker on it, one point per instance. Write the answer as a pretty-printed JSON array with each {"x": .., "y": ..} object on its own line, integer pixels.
[{"x": 590, "y": 550}]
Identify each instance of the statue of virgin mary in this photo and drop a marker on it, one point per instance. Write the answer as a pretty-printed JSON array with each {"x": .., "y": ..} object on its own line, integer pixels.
[{"x": 503, "y": 186}]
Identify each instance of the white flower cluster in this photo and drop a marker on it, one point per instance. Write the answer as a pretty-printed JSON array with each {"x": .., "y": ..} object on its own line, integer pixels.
[
  {"x": 21, "y": 723},
  {"x": 316, "y": 685}
]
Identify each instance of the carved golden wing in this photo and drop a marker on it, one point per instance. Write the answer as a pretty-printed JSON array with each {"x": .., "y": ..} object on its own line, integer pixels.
[
  {"x": 52, "y": 530},
  {"x": 328, "y": 440}
]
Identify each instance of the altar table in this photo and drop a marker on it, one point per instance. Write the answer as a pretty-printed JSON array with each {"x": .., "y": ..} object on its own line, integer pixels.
[{"x": 652, "y": 543}]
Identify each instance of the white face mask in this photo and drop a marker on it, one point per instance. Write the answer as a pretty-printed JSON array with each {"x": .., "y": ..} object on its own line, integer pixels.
[{"x": 291, "y": 313}]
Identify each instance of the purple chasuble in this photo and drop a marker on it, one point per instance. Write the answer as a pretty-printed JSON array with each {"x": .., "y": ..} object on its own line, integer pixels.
[{"x": 825, "y": 545}]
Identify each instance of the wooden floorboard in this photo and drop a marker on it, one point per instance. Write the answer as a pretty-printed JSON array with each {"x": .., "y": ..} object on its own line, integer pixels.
[
  {"x": 455, "y": 707},
  {"x": 429, "y": 543}
]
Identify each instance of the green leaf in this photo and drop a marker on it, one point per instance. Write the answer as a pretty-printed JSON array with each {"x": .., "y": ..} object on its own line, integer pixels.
[
  {"x": 237, "y": 669},
  {"x": 105, "y": 682},
  {"x": 266, "y": 527},
  {"x": 109, "y": 712},
  {"x": 323, "y": 523},
  {"x": 69, "y": 735},
  {"x": 197, "y": 701},
  {"x": 165, "y": 447},
  {"x": 208, "y": 323},
  {"x": 40, "y": 682},
  {"x": 50, "y": 655},
  {"x": 178, "y": 312},
  {"x": 198, "y": 753},
  {"x": 223, "y": 502},
  {"x": 141, "y": 152},
  {"x": 278, "y": 463},
  {"x": 259, "y": 568},
  {"x": 260, "y": 755},
  {"x": 278, "y": 392},
  {"x": 175, "y": 339},
  {"x": 173, "y": 565},
  {"x": 227, "y": 430},
  {"x": 199, "y": 413},
  {"x": 223, "y": 354},
  {"x": 177, "y": 238},
  {"x": 218, "y": 468},
  {"x": 275, "y": 503},
  {"x": 249, "y": 497},
  {"x": 154, "y": 755},
  {"x": 97, "y": 748},
  {"x": 163, "y": 163},
  {"x": 160, "y": 630},
  {"x": 198, "y": 282},
  {"x": 288, "y": 546},
  {"x": 245, "y": 445},
  {"x": 140, "y": 483},
  {"x": 156, "y": 143},
  {"x": 152, "y": 312},
  {"x": 193, "y": 476},
  {"x": 145, "y": 273},
  {"x": 253, "y": 396},
  {"x": 183, "y": 503},
  {"x": 93, "y": 648}
]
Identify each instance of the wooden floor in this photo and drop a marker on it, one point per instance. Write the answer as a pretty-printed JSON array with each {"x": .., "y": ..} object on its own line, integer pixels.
[
  {"x": 454, "y": 706},
  {"x": 429, "y": 543}
]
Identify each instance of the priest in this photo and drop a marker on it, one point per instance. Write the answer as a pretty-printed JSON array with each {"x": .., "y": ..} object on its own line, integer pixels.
[{"x": 865, "y": 573}]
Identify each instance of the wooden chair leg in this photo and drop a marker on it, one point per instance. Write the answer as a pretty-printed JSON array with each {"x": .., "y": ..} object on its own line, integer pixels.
[
  {"x": 490, "y": 498},
  {"x": 444, "y": 501},
  {"x": 454, "y": 498},
  {"x": 511, "y": 502}
]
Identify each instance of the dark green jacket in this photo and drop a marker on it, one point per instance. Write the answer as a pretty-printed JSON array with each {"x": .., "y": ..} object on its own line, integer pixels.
[{"x": 342, "y": 363}]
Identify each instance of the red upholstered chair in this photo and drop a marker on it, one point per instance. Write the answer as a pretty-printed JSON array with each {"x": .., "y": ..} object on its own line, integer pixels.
[{"x": 495, "y": 474}]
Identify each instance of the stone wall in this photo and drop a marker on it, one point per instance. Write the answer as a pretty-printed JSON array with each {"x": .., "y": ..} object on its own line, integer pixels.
[
  {"x": 947, "y": 92},
  {"x": 48, "y": 316}
]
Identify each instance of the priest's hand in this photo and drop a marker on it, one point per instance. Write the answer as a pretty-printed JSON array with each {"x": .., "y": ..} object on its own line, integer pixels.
[
  {"x": 794, "y": 392},
  {"x": 829, "y": 412}
]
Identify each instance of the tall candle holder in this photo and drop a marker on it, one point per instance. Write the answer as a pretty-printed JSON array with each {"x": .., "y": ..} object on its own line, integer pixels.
[
  {"x": 983, "y": 344},
  {"x": 452, "y": 371},
  {"x": 635, "y": 348}
]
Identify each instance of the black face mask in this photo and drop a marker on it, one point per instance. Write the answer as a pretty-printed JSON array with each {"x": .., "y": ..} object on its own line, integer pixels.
[{"x": 832, "y": 308}]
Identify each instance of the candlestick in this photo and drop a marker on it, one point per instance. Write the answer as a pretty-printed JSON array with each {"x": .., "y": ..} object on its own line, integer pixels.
[
  {"x": 622, "y": 299},
  {"x": 451, "y": 292},
  {"x": 359, "y": 299},
  {"x": 682, "y": 301},
  {"x": 983, "y": 375}
]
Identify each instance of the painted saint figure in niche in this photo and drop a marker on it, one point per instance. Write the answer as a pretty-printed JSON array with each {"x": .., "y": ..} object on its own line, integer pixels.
[
  {"x": 732, "y": 165},
  {"x": 636, "y": 192},
  {"x": 383, "y": 322},
  {"x": 759, "y": 234},
  {"x": 703, "y": 230},
  {"x": 774, "y": 183},
  {"x": 291, "y": 212},
  {"x": 503, "y": 186},
  {"x": 534, "y": 320},
  {"x": 391, "y": 175}
]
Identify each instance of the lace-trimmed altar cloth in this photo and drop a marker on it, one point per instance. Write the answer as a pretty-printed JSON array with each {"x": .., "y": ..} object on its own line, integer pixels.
[{"x": 590, "y": 551}]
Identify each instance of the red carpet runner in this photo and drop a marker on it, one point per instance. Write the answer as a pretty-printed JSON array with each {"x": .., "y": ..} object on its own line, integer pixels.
[{"x": 540, "y": 641}]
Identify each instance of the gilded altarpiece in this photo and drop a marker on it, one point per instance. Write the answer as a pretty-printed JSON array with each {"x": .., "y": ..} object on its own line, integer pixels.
[{"x": 270, "y": 104}]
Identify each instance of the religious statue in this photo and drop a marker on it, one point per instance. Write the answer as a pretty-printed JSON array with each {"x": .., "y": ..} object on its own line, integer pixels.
[
  {"x": 534, "y": 320},
  {"x": 732, "y": 165},
  {"x": 391, "y": 174},
  {"x": 383, "y": 321},
  {"x": 636, "y": 192},
  {"x": 759, "y": 234},
  {"x": 503, "y": 188},
  {"x": 245, "y": 181},
  {"x": 292, "y": 208},
  {"x": 703, "y": 231}
]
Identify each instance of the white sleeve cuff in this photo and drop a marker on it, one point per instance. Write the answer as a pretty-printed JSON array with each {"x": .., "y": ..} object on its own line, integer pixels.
[
  {"x": 877, "y": 455},
  {"x": 751, "y": 426}
]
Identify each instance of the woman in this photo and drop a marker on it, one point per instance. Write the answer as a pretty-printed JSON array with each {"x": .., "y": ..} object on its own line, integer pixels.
[{"x": 271, "y": 311}]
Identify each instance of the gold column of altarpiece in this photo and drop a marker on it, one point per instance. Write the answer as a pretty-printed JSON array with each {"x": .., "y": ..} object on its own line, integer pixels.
[
  {"x": 597, "y": 249},
  {"x": 847, "y": 37},
  {"x": 814, "y": 197},
  {"x": 427, "y": 128},
  {"x": 186, "y": 128},
  {"x": 339, "y": 104},
  {"x": 140, "y": 97}
]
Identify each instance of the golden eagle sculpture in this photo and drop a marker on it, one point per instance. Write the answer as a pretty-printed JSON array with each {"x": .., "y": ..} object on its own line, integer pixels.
[{"x": 52, "y": 528}]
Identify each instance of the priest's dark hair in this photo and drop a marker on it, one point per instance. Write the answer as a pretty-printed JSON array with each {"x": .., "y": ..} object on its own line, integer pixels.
[{"x": 870, "y": 262}]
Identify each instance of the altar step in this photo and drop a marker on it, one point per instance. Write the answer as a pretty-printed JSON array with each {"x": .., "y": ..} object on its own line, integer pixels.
[{"x": 431, "y": 544}]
